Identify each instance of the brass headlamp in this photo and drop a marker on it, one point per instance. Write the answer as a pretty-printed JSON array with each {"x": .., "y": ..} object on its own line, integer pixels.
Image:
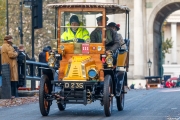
[
  {"x": 51, "y": 59},
  {"x": 109, "y": 59}
]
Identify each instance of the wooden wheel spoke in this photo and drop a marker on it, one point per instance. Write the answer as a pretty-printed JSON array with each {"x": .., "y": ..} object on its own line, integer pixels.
[
  {"x": 46, "y": 104},
  {"x": 46, "y": 88}
]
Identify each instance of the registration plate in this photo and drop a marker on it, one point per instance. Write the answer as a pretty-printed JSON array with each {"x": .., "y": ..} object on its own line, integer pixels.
[{"x": 74, "y": 85}]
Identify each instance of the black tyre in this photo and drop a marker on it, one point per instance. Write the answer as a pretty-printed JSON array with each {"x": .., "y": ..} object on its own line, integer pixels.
[
  {"x": 43, "y": 103},
  {"x": 120, "y": 100},
  {"x": 107, "y": 95},
  {"x": 61, "y": 106}
]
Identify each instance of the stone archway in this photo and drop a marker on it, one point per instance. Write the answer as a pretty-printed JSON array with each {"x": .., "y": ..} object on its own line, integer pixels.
[{"x": 159, "y": 14}]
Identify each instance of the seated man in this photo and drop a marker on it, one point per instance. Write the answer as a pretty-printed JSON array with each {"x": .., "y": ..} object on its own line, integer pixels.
[
  {"x": 112, "y": 42},
  {"x": 78, "y": 34},
  {"x": 96, "y": 35},
  {"x": 122, "y": 42}
]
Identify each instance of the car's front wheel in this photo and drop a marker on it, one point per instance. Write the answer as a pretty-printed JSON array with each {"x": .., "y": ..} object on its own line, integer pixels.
[
  {"x": 44, "y": 104},
  {"x": 107, "y": 95}
]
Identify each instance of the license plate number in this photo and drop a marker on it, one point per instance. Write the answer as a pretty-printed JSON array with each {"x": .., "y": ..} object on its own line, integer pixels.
[{"x": 74, "y": 85}]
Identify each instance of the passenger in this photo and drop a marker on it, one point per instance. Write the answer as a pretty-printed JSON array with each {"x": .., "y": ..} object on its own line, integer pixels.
[
  {"x": 78, "y": 34},
  {"x": 96, "y": 35},
  {"x": 112, "y": 42},
  {"x": 122, "y": 43}
]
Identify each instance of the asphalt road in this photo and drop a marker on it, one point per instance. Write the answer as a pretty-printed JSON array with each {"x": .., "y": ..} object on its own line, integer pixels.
[{"x": 156, "y": 104}]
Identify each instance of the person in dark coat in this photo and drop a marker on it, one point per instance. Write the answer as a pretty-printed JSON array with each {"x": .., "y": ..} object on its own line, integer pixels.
[
  {"x": 42, "y": 55},
  {"x": 122, "y": 42},
  {"x": 96, "y": 35},
  {"x": 21, "y": 49},
  {"x": 50, "y": 49},
  {"x": 112, "y": 42}
]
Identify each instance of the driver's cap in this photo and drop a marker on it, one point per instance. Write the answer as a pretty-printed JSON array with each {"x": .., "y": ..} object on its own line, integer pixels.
[{"x": 100, "y": 18}]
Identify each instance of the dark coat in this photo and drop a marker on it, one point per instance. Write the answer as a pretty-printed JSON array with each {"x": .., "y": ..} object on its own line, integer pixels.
[
  {"x": 27, "y": 57},
  {"x": 42, "y": 55},
  {"x": 112, "y": 38},
  {"x": 8, "y": 56},
  {"x": 96, "y": 36}
]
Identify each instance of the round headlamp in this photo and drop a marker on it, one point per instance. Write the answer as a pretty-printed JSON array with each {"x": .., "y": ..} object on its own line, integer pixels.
[
  {"x": 51, "y": 61},
  {"x": 92, "y": 73},
  {"x": 109, "y": 60}
]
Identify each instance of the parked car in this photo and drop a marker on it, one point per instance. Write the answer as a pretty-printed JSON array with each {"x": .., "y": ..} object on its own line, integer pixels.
[{"x": 171, "y": 83}]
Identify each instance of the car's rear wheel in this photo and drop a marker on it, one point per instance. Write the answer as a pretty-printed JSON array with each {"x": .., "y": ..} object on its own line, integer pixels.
[
  {"x": 44, "y": 104},
  {"x": 107, "y": 95},
  {"x": 120, "y": 99}
]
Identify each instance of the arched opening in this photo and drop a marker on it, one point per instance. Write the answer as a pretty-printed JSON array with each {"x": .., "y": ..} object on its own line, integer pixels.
[{"x": 162, "y": 14}]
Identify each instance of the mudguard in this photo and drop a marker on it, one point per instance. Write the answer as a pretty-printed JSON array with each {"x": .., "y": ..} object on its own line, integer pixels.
[{"x": 121, "y": 79}]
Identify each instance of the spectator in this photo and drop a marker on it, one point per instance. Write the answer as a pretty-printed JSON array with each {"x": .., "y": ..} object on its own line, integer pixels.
[
  {"x": 140, "y": 86},
  {"x": 122, "y": 43},
  {"x": 132, "y": 86},
  {"x": 49, "y": 47},
  {"x": 21, "y": 49},
  {"x": 42, "y": 55},
  {"x": 9, "y": 56}
]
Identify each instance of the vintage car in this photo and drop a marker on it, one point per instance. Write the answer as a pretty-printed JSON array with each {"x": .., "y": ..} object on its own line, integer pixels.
[{"x": 86, "y": 73}]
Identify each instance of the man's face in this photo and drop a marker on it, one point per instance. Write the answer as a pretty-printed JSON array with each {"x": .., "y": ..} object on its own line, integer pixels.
[
  {"x": 114, "y": 28},
  {"x": 10, "y": 41},
  {"x": 99, "y": 23},
  {"x": 74, "y": 24}
]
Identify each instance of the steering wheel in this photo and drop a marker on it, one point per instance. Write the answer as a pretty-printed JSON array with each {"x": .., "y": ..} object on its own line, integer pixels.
[{"x": 74, "y": 41}]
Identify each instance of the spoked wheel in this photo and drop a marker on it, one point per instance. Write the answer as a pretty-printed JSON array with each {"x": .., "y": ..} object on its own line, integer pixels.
[
  {"x": 43, "y": 91},
  {"x": 61, "y": 106},
  {"x": 120, "y": 99},
  {"x": 107, "y": 95}
]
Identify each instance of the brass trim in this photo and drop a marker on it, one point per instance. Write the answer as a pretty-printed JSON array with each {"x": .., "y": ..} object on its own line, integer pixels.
[
  {"x": 109, "y": 57},
  {"x": 67, "y": 72},
  {"x": 95, "y": 71},
  {"x": 51, "y": 57}
]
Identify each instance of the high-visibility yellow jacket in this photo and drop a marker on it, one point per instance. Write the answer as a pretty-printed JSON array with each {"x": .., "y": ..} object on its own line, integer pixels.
[{"x": 81, "y": 33}]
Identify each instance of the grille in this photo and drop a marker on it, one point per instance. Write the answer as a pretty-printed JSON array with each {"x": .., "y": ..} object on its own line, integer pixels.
[{"x": 75, "y": 72}]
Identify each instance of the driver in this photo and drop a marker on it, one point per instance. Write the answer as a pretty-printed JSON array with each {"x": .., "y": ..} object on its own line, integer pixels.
[{"x": 78, "y": 34}]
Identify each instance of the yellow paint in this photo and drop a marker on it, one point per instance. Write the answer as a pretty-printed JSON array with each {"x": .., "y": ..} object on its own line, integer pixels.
[
  {"x": 121, "y": 59},
  {"x": 78, "y": 67}
]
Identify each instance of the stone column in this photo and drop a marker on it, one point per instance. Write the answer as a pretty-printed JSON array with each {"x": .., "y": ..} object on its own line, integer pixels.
[
  {"x": 174, "y": 39},
  {"x": 138, "y": 40}
]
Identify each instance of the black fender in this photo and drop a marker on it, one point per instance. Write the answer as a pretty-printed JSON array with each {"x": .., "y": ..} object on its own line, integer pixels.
[
  {"x": 111, "y": 72},
  {"x": 121, "y": 79},
  {"x": 50, "y": 74}
]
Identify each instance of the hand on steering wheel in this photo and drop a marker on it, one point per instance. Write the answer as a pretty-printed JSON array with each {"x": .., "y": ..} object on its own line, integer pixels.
[{"x": 76, "y": 40}]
